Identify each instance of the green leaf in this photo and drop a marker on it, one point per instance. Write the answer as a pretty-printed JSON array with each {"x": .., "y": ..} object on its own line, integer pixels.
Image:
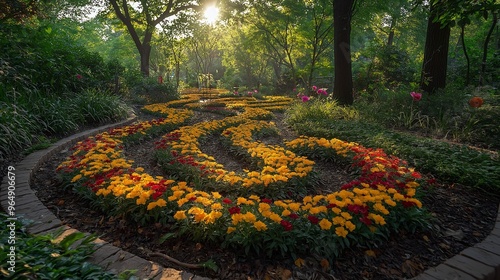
[
  {"x": 71, "y": 239},
  {"x": 166, "y": 236},
  {"x": 210, "y": 264}
]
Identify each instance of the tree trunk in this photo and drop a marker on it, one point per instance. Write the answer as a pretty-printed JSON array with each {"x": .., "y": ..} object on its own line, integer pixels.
[
  {"x": 462, "y": 40},
  {"x": 435, "y": 55},
  {"x": 485, "y": 48},
  {"x": 342, "y": 91}
]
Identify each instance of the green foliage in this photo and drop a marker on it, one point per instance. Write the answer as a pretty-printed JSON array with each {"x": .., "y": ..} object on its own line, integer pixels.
[
  {"x": 149, "y": 90},
  {"x": 32, "y": 116},
  {"x": 44, "y": 58},
  {"x": 41, "y": 257},
  {"x": 452, "y": 162}
]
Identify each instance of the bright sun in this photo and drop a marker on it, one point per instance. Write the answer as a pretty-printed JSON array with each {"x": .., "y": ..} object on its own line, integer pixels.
[{"x": 211, "y": 14}]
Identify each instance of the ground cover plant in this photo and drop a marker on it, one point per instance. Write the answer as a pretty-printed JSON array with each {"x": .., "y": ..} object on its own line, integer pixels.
[
  {"x": 271, "y": 207},
  {"x": 50, "y": 257},
  {"x": 377, "y": 122}
]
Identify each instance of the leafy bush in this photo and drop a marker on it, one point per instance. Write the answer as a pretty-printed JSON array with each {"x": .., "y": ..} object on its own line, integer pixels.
[
  {"x": 149, "y": 90},
  {"x": 46, "y": 59},
  {"x": 40, "y": 257}
]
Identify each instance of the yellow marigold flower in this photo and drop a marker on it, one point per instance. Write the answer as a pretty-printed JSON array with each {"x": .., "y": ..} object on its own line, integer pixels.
[
  {"x": 286, "y": 213},
  {"x": 260, "y": 226},
  {"x": 230, "y": 229},
  {"x": 412, "y": 184},
  {"x": 346, "y": 215},
  {"x": 76, "y": 178},
  {"x": 236, "y": 218},
  {"x": 216, "y": 195},
  {"x": 254, "y": 197},
  {"x": 241, "y": 200},
  {"x": 263, "y": 207},
  {"x": 212, "y": 217},
  {"x": 318, "y": 209},
  {"x": 180, "y": 215},
  {"x": 307, "y": 199},
  {"x": 275, "y": 217},
  {"x": 182, "y": 201},
  {"x": 390, "y": 202},
  {"x": 338, "y": 221},
  {"x": 341, "y": 231},
  {"x": 379, "y": 220},
  {"x": 325, "y": 224},
  {"x": 398, "y": 197},
  {"x": 216, "y": 206},
  {"x": 249, "y": 217},
  {"x": 336, "y": 210},
  {"x": 294, "y": 206},
  {"x": 159, "y": 203},
  {"x": 380, "y": 208},
  {"x": 350, "y": 226}
]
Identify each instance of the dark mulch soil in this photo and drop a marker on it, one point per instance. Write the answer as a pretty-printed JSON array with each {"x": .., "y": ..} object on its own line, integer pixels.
[{"x": 462, "y": 217}]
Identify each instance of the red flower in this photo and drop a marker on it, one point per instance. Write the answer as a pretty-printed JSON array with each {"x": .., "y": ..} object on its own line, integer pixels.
[
  {"x": 476, "y": 102},
  {"x": 293, "y": 216},
  {"x": 286, "y": 225},
  {"x": 313, "y": 219},
  {"x": 416, "y": 96},
  {"x": 227, "y": 201},
  {"x": 234, "y": 210},
  {"x": 267, "y": 200},
  {"x": 365, "y": 220}
]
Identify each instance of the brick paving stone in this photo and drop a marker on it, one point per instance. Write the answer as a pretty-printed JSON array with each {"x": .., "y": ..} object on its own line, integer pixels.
[
  {"x": 111, "y": 262},
  {"x": 169, "y": 274},
  {"x": 156, "y": 269},
  {"x": 424, "y": 276},
  {"x": 489, "y": 246},
  {"x": 444, "y": 272},
  {"x": 142, "y": 266},
  {"x": 38, "y": 228},
  {"x": 102, "y": 253},
  {"x": 26, "y": 199},
  {"x": 35, "y": 207},
  {"x": 485, "y": 257},
  {"x": 472, "y": 267}
]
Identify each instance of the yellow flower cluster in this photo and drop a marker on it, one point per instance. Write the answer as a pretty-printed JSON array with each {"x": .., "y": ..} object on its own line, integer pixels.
[
  {"x": 99, "y": 163},
  {"x": 340, "y": 147},
  {"x": 278, "y": 164}
]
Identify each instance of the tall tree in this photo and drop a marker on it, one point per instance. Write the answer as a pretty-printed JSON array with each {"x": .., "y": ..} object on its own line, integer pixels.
[
  {"x": 436, "y": 52},
  {"x": 141, "y": 21},
  {"x": 342, "y": 14}
]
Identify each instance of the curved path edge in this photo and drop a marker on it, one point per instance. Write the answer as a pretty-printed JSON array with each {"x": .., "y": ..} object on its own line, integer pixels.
[
  {"x": 41, "y": 221},
  {"x": 481, "y": 261}
]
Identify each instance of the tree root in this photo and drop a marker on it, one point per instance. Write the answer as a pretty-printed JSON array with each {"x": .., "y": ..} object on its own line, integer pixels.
[{"x": 173, "y": 260}]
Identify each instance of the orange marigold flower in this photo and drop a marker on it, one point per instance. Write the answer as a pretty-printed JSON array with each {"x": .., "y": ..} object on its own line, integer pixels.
[{"x": 476, "y": 102}]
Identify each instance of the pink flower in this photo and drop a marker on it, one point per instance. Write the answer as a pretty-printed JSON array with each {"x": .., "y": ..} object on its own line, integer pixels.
[
  {"x": 315, "y": 88},
  {"x": 416, "y": 96},
  {"x": 322, "y": 91},
  {"x": 79, "y": 77},
  {"x": 305, "y": 98},
  {"x": 256, "y": 91}
]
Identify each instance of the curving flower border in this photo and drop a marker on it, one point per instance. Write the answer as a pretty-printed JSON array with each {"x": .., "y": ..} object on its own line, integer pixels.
[{"x": 385, "y": 189}]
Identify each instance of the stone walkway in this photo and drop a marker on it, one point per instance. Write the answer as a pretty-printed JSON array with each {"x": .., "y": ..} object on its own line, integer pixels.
[{"x": 481, "y": 261}]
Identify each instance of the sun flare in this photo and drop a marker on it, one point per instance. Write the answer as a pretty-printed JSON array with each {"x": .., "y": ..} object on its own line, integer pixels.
[{"x": 211, "y": 14}]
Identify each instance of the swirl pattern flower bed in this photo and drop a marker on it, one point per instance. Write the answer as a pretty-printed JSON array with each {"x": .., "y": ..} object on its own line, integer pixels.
[{"x": 269, "y": 209}]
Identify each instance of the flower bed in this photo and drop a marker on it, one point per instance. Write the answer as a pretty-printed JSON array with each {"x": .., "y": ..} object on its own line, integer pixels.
[{"x": 256, "y": 210}]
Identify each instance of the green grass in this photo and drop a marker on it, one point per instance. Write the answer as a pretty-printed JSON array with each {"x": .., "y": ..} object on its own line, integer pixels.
[{"x": 27, "y": 119}]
